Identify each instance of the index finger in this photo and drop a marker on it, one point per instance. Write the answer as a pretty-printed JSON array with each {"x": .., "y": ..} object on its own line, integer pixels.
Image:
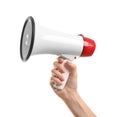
[{"x": 60, "y": 60}]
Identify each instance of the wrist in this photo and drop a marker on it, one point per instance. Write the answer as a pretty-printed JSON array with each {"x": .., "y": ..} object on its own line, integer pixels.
[{"x": 71, "y": 97}]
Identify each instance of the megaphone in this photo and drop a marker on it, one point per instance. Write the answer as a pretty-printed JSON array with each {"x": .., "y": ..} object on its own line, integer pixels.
[{"x": 36, "y": 39}]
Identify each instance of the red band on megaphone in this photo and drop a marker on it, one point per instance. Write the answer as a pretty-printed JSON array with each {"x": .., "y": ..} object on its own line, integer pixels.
[{"x": 89, "y": 46}]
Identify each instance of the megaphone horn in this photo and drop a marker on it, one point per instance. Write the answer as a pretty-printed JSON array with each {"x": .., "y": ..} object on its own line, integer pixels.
[{"x": 36, "y": 39}]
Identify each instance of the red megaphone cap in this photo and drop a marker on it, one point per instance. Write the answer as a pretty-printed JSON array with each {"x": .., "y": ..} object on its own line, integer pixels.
[{"x": 89, "y": 47}]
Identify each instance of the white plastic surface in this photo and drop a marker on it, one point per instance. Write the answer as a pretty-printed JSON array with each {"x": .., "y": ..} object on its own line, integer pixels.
[
  {"x": 48, "y": 41},
  {"x": 65, "y": 76}
]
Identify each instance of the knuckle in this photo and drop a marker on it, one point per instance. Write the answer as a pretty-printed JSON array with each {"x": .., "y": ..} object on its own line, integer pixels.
[
  {"x": 74, "y": 67},
  {"x": 52, "y": 70},
  {"x": 61, "y": 68},
  {"x": 54, "y": 63},
  {"x": 50, "y": 81}
]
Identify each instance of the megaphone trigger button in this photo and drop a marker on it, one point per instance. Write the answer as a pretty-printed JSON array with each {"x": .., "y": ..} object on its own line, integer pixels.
[{"x": 75, "y": 57}]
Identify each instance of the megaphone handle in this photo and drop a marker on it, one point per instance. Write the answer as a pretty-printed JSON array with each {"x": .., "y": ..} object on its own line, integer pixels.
[{"x": 65, "y": 76}]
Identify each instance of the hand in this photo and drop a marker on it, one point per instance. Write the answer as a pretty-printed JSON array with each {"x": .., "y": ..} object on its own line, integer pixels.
[
  {"x": 57, "y": 78},
  {"x": 69, "y": 93}
]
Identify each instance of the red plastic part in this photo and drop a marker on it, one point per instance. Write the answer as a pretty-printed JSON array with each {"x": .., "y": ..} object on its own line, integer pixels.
[{"x": 89, "y": 47}]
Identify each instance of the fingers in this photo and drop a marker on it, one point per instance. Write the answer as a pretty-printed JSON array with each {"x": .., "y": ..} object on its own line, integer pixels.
[
  {"x": 57, "y": 74},
  {"x": 58, "y": 65},
  {"x": 72, "y": 69},
  {"x": 55, "y": 80},
  {"x": 70, "y": 66},
  {"x": 60, "y": 59},
  {"x": 57, "y": 71}
]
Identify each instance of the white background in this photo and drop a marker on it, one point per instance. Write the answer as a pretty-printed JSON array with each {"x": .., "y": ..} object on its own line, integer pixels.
[{"x": 24, "y": 87}]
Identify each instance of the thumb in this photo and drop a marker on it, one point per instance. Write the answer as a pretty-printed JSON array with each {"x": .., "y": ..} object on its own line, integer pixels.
[{"x": 71, "y": 68}]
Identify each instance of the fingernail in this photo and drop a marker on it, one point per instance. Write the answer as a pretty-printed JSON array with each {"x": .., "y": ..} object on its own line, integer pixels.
[
  {"x": 62, "y": 79},
  {"x": 63, "y": 71}
]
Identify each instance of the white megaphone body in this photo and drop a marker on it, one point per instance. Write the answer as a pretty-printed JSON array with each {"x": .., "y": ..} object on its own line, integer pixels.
[{"x": 36, "y": 39}]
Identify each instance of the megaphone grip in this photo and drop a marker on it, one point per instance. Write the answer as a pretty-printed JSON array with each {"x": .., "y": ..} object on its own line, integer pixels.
[{"x": 65, "y": 76}]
